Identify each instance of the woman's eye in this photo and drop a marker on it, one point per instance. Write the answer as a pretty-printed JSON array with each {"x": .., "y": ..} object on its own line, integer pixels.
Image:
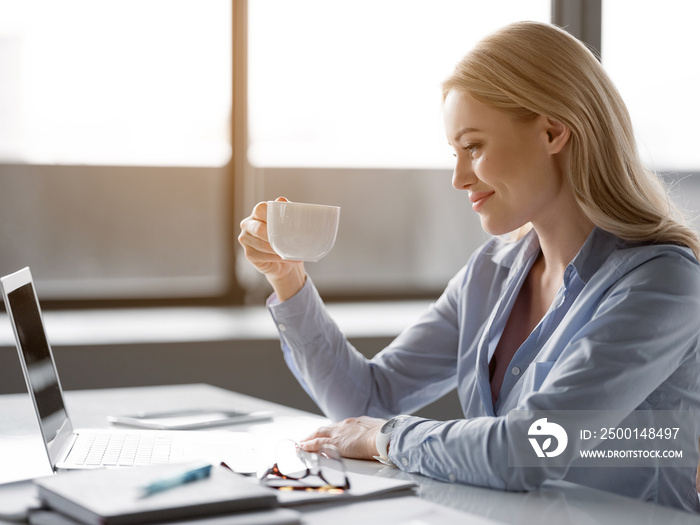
[{"x": 472, "y": 149}]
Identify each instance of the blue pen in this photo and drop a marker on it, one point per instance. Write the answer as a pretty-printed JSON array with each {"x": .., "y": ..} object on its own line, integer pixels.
[{"x": 159, "y": 485}]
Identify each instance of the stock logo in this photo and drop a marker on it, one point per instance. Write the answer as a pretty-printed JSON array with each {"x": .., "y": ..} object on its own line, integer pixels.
[{"x": 541, "y": 428}]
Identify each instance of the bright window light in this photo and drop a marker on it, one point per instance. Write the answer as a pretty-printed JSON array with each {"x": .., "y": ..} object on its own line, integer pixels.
[
  {"x": 115, "y": 82},
  {"x": 356, "y": 83},
  {"x": 651, "y": 51}
]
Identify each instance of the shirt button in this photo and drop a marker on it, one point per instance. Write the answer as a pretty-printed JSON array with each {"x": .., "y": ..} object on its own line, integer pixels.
[
  {"x": 404, "y": 462},
  {"x": 515, "y": 371},
  {"x": 453, "y": 478},
  {"x": 282, "y": 327}
]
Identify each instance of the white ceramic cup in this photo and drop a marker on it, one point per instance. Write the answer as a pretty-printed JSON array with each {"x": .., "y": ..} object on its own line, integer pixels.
[{"x": 300, "y": 231}]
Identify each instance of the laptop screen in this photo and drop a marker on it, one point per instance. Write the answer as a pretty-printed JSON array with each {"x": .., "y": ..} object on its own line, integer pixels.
[{"x": 37, "y": 359}]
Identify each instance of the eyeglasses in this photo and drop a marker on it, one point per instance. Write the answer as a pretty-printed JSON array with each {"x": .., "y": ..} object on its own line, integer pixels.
[{"x": 294, "y": 467}]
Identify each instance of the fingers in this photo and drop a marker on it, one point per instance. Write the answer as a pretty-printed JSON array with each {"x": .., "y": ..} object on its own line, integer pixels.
[
  {"x": 254, "y": 237},
  {"x": 254, "y": 234},
  {"x": 319, "y": 432},
  {"x": 254, "y": 228},
  {"x": 353, "y": 437},
  {"x": 257, "y": 250},
  {"x": 260, "y": 209},
  {"x": 260, "y": 212},
  {"x": 314, "y": 445},
  {"x": 321, "y": 436}
]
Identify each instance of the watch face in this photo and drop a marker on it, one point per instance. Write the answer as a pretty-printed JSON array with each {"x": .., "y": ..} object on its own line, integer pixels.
[{"x": 390, "y": 425}]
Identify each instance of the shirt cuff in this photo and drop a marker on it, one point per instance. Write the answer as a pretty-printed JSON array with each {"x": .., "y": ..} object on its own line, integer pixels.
[
  {"x": 274, "y": 304},
  {"x": 399, "y": 441},
  {"x": 301, "y": 318}
]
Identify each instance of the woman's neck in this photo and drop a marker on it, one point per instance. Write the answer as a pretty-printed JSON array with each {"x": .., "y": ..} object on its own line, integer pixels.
[{"x": 561, "y": 236}]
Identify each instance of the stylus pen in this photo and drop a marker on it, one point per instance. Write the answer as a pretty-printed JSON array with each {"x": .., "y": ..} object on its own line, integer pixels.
[{"x": 159, "y": 485}]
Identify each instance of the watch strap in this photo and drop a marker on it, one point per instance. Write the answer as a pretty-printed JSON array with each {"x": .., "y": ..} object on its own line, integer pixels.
[{"x": 383, "y": 439}]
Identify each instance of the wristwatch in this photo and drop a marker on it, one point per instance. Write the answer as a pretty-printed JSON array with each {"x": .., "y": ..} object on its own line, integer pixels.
[{"x": 383, "y": 438}]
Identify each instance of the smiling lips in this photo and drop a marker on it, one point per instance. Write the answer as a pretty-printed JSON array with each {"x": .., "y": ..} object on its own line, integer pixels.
[{"x": 478, "y": 198}]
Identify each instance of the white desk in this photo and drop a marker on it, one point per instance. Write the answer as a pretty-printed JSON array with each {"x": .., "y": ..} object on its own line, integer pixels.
[{"x": 437, "y": 502}]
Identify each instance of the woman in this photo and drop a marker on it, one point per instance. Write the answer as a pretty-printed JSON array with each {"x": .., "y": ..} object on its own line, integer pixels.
[{"x": 593, "y": 305}]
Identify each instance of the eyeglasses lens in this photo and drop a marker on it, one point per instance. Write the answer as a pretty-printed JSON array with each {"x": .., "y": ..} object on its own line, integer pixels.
[
  {"x": 331, "y": 466},
  {"x": 291, "y": 460}
]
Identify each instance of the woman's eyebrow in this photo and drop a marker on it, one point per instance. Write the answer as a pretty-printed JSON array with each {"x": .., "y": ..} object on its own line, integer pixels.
[{"x": 462, "y": 131}]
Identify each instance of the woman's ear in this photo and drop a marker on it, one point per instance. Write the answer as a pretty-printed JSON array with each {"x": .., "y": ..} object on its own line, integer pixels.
[{"x": 558, "y": 135}]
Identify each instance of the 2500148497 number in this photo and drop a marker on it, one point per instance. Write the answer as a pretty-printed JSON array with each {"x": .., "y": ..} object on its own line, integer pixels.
[{"x": 636, "y": 433}]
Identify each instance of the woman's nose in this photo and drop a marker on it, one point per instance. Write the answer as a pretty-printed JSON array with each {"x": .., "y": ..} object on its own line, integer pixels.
[{"x": 463, "y": 176}]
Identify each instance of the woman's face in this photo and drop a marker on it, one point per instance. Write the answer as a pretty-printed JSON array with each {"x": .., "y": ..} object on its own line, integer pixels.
[{"x": 506, "y": 165}]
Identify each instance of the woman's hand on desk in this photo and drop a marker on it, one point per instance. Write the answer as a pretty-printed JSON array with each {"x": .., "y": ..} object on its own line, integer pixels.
[
  {"x": 354, "y": 437},
  {"x": 286, "y": 277}
]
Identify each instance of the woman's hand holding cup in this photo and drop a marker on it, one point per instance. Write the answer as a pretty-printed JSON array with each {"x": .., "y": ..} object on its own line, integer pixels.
[{"x": 286, "y": 277}]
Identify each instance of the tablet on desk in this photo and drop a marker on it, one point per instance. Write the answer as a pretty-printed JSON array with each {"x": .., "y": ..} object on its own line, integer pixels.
[{"x": 191, "y": 418}]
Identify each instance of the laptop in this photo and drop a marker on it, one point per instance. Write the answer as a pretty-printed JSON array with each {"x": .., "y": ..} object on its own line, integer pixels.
[{"x": 68, "y": 448}]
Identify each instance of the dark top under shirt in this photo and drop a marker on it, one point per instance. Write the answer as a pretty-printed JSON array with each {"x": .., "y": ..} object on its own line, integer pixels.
[{"x": 498, "y": 366}]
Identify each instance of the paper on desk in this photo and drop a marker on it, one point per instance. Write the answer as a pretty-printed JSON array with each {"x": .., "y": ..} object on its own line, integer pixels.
[
  {"x": 23, "y": 457},
  {"x": 362, "y": 486}
]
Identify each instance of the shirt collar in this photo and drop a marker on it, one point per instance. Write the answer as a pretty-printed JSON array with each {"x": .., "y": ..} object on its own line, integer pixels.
[
  {"x": 511, "y": 251},
  {"x": 594, "y": 252}
]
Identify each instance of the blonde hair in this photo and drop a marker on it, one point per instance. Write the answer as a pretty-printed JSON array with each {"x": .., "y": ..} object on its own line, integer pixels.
[{"x": 528, "y": 69}]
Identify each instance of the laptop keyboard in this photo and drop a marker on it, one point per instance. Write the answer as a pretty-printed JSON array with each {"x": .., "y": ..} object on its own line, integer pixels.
[{"x": 120, "y": 450}]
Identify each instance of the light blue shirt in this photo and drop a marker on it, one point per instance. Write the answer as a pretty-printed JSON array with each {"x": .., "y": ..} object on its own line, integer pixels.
[{"x": 621, "y": 334}]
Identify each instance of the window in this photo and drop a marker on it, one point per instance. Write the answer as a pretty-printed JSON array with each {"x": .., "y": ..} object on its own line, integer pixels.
[
  {"x": 115, "y": 82},
  {"x": 650, "y": 50},
  {"x": 357, "y": 83},
  {"x": 115, "y": 146}
]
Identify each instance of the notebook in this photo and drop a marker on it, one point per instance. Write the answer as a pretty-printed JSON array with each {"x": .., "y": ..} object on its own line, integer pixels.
[
  {"x": 117, "y": 497},
  {"x": 68, "y": 448}
]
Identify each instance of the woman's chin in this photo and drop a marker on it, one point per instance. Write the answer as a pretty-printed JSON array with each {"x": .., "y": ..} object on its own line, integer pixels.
[{"x": 493, "y": 227}]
